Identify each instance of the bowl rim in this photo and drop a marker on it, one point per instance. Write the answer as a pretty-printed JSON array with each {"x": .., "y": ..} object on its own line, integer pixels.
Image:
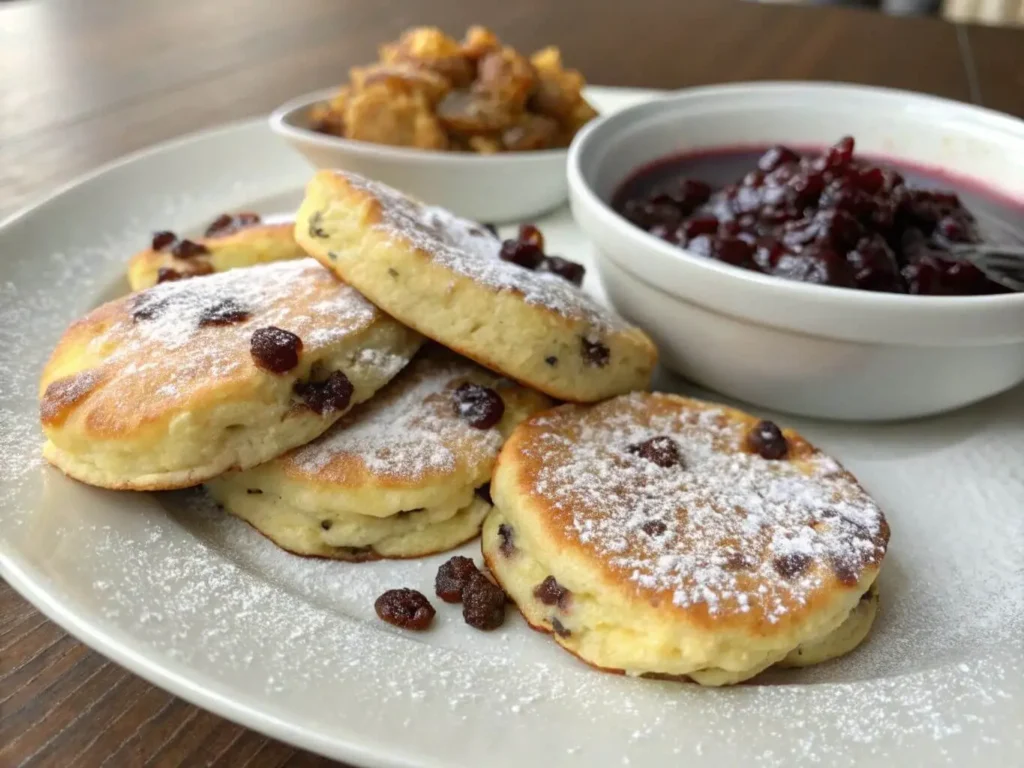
[
  {"x": 282, "y": 122},
  {"x": 605, "y": 126}
]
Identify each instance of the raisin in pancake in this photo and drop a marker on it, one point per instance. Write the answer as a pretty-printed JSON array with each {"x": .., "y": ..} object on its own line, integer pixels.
[
  {"x": 231, "y": 241},
  {"x": 161, "y": 389},
  {"x": 652, "y": 538},
  {"x": 396, "y": 477},
  {"x": 442, "y": 275}
]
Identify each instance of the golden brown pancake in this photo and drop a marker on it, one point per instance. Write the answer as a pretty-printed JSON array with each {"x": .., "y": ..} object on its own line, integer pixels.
[
  {"x": 399, "y": 476},
  {"x": 231, "y": 241},
  {"x": 442, "y": 275},
  {"x": 656, "y": 535},
  {"x": 161, "y": 389}
]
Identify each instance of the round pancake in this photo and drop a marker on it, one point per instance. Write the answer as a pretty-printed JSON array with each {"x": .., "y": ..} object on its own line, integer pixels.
[
  {"x": 714, "y": 567},
  {"x": 396, "y": 477},
  {"x": 159, "y": 389},
  {"x": 228, "y": 247},
  {"x": 442, "y": 275}
]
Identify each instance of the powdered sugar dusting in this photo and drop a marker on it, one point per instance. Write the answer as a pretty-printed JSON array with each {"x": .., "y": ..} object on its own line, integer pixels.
[
  {"x": 732, "y": 532},
  {"x": 199, "y": 595},
  {"x": 162, "y": 339},
  {"x": 283, "y": 293},
  {"x": 410, "y": 430},
  {"x": 471, "y": 251}
]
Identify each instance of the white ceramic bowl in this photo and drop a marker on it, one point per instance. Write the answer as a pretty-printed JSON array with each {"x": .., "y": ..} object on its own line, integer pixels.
[
  {"x": 805, "y": 349},
  {"x": 499, "y": 188}
]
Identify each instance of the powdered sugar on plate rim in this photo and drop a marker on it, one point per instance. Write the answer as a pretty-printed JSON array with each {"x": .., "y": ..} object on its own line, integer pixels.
[{"x": 205, "y": 607}]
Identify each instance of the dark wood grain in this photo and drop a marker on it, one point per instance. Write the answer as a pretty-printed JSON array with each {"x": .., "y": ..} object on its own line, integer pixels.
[
  {"x": 84, "y": 82},
  {"x": 91, "y": 81},
  {"x": 996, "y": 56}
]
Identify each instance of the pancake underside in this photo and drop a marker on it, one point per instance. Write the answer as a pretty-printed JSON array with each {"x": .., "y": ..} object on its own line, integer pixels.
[
  {"x": 603, "y": 632},
  {"x": 349, "y": 536}
]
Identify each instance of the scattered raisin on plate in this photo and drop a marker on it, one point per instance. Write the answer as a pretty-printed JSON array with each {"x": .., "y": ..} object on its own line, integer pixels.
[
  {"x": 483, "y": 603},
  {"x": 405, "y": 608},
  {"x": 452, "y": 578}
]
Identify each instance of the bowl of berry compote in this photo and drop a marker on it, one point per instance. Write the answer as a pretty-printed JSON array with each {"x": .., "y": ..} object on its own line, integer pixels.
[{"x": 800, "y": 246}]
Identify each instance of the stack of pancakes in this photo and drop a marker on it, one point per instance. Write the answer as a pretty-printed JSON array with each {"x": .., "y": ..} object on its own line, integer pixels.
[{"x": 355, "y": 405}]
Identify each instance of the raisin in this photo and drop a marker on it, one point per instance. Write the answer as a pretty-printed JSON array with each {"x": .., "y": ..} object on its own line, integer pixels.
[
  {"x": 559, "y": 628},
  {"x": 568, "y": 270},
  {"x": 595, "y": 354},
  {"x": 224, "y": 312},
  {"x": 146, "y": 307},
  {"x": 528, "y": 233},
  {"x": 315, "y": 228},
  {"x": 163, "y": 240},
  {"x": 187, "y": 249},
  {"x": 654, "y": 527},
  {"x": 767, "y": 440},
  {"x": 228, "y": 224},
  {"x": 738, "y": 561},
  {"x": 166, "y": 275},
  {"x": 483, "y": 603},
  {"x": 275, "y": 349},
  {"x": 452, "y": 577},
  {"x": 660, "y": 450},
  {"x": 550, "y": 592},
  {"x": 324, "y": 397},
  {"x": 507, "y": 536},
  {"x": 481, "y": 407},
  {"x": 405, "y": 608},
  {"x": 552, "y": 361},
  {"x": 791, "y": 565},
  {"x": 525, "y": 255},
  {"x": 326, "y": 524}
]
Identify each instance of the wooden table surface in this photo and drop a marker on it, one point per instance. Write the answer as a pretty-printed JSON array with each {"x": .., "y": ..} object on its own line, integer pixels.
[{"x": 84, "y": 82}]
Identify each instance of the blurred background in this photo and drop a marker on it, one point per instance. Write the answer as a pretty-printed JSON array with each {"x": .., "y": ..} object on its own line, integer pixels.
[{"x": 995, "y": 12}]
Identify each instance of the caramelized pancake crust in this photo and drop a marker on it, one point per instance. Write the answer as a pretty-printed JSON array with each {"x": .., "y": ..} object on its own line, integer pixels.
[
  {"x": 685, "y": 552},
  {"x": 221, "y": 249},
  {"x": 160, "y": 389}
]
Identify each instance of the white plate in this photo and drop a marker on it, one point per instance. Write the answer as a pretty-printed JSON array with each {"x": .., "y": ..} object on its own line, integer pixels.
[{"x": 201, "y": 605}]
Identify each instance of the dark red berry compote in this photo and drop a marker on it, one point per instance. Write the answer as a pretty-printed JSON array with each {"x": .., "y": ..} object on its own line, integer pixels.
[{"x": 829, "y": 218}]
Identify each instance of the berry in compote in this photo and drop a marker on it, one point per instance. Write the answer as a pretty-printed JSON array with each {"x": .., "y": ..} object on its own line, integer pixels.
[{"x": 830, "y": 219}]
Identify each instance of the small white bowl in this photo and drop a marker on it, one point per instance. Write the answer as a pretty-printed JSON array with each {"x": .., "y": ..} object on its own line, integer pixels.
[
  {"x": 805, "y": 349},
  {"x": 499, "y": 188}
]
